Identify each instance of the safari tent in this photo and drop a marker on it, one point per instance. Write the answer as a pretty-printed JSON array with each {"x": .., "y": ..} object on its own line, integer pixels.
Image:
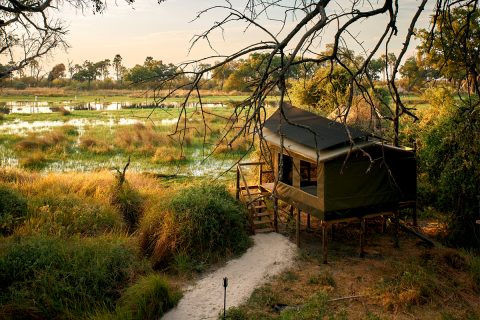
[
  {"x": 324, "y": 174},
  {"x": 334, "y": 172}
]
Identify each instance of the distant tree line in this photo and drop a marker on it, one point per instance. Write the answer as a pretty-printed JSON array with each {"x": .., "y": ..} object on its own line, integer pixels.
[
  {"x": 238, "y": 75},
  {"x": 103, "y": 74}
]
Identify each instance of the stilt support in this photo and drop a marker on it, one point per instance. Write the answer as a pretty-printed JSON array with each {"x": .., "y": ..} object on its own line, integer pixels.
[
  {"x": 362, "y": 238},
  {"x": 297, "y": 229},
  {"x": 395, "y": 231},
  {"x": 275, "y": 214},
  {"x": 325, "y": 242}
]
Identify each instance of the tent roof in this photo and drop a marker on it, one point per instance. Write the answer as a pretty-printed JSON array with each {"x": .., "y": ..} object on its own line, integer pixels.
[{"x": 323, "y": 134}]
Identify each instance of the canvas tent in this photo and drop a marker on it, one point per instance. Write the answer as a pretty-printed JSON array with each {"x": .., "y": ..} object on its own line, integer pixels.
[{"x": 336, "y": 172}]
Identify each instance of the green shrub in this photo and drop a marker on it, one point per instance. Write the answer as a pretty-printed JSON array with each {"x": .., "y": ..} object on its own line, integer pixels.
[
  {"x": 67, "y": 215},
  {"x": 449, "y": 159},
  {"x": 57, "y": 278},
  {"x": 199, "y": 225},
  {"x": 149, "y": 298},
  {"x": 129, "y": 203},
  {"x": 13, "y": 209},
  {"x": 210, "y": 222},
  {"x": 315, "y": 308},
  {"x": 473, "y": 262},
  {"x": 35, "y": 160},
  {"x": 234, "y": 314}
]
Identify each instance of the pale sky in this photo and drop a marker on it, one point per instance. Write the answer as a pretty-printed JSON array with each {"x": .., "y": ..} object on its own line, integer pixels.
[{"x": 163, "y": 31}]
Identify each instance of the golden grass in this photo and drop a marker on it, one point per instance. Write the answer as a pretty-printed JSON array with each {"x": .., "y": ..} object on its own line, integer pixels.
[
  {"x": 140, "y": 138},
  {"x": 62, "y": 203},
  {"x": 166, "y": 154},
  {"x": 33, "y": 160},
  {"x": 241, "y": 144},
  {"x": 94, "y": 145}
]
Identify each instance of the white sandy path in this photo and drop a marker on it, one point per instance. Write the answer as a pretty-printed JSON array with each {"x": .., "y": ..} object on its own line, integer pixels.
[{"x": 270, "y": 254}]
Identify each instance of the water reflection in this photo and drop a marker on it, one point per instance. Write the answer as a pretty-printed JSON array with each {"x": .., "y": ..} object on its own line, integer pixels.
[
  {"x": 27, "y": 107},
  {"x": 21, "y": 127}
]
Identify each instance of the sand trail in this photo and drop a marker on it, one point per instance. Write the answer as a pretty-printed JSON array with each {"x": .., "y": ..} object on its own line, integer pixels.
[{"x": 270, "y": 255}]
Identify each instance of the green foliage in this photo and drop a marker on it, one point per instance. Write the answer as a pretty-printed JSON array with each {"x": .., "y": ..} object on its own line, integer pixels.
[
  {"x": 410, "y": 284},
  {"x": 67, "y": 215},
  {"x": 473, "y": 262},
  {"x": 453, "y": 47},
  {"x": 440, "y": 98},
  {"x": 150, "y": 72},
  {"x": 324, "y": 91},
  {"x": 325, "y": 279},
  {"x": 210, "y": 222},
  {"x": 149, "y": 298},
  {"x": 129, "y": 203},
  {"x": 449, "y": 157},
  {"x": 234, "y": 314},
  {"x": 57, "y": 278},
  {"x": 315, "y": 308},
  {"x": 417, "y": 71},
  {"x": 13, "y": 209}
]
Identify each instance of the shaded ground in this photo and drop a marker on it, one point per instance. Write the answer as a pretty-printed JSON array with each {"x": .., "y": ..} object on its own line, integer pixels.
[{"x": 412, "y": 282}]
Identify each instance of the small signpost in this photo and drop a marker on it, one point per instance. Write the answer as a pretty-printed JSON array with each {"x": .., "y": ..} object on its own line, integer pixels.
[{"x": 225, "y": 285}]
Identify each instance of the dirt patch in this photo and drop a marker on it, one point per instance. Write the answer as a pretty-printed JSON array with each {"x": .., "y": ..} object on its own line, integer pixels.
[{"x": 412, "y": 282}]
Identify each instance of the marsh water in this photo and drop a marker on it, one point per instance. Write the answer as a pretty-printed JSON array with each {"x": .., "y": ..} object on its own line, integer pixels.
[
  {"x": 71, "y": 105},
  {"x": 196, "y": 163}
]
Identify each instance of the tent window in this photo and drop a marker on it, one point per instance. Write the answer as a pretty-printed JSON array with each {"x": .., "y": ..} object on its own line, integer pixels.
[
  {"x": 308, "y": 176},
  {"x": 287, "y": 169}
]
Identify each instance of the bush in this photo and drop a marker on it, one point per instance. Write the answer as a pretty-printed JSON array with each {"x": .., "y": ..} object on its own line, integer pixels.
[
  {"x": 210, "y": 222},
  {"x": 67, "y": 215},
  {"x": 449, "y": 158},
  {"x": 63, "y": 279},
  {"x": 129, "y": 203},
  {"x": 35, "y": 160},
  {"x": 13, "y": 209},
  {"x": 200, "y": 224},
  {"x": 149, "y": 298}
]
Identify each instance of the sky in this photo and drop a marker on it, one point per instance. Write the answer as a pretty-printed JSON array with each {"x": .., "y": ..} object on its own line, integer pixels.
[{"x": 164, "y": 31}]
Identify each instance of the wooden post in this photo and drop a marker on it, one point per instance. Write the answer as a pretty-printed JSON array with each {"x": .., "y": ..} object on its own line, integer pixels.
[
  {"x": 297, "y": 229},
  {"x": 395, "y": 231},
  {"x": 362, "y": 238},
  {"x": 275, "y": 214},
  {"x": 260, "y": 171},
  {"x": 414, "y": 214},
  {"x": 324, "y": 242},
  {"x": 238, "y": 184},
  {"x": 384, "y": 224},
  {"x": 308, "y": 222}
]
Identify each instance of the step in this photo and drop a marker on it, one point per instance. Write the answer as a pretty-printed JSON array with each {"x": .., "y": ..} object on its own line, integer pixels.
[
  {"x": 261, "y": 206},
  {"x": 264, "y": 230},
  {"x": 257, "y": 222},
  {"x": 262, "y": 214}
]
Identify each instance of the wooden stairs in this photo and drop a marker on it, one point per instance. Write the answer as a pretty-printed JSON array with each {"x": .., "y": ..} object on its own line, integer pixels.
[{"x": 261, "y": 218}]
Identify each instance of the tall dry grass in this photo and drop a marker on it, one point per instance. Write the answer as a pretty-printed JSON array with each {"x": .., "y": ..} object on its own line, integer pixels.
[
  {"x": 140, "y": 138},
  {"x": 197, "y": 226},
  {"x": 79, "y": 203},
  {"x": 54, "y": 139},
  {"x": 94, "y": 145}
]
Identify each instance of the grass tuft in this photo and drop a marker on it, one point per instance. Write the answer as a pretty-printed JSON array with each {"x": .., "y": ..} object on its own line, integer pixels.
[
  {"x": 50, "y": 277},
  {"x": 203, "y": 221},
  {"x": 149, "y": 298},
  {"x": 13, "y": 209}
]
